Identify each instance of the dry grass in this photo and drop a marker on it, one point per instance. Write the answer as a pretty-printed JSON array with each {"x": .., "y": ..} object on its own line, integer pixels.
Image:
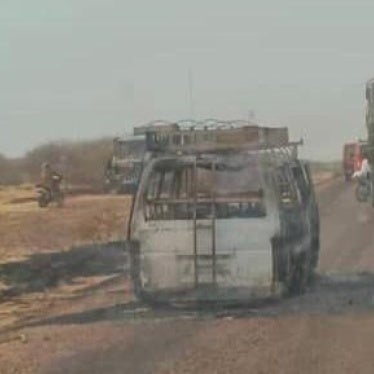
[
  {"x": 26, "y": 229},
  {"x": 9, "y": 194},
  {"x": 55, "y": 251}
]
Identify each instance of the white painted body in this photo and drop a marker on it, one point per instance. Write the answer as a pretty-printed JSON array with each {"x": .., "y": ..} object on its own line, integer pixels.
[{"x": 244, "y": 260}]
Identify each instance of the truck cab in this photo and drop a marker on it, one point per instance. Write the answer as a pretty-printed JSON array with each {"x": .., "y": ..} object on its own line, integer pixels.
[{"x": 123, "y": 169}]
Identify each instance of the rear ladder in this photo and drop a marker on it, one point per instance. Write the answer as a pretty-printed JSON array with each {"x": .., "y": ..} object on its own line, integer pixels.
[{"x": 204, "y": 237}]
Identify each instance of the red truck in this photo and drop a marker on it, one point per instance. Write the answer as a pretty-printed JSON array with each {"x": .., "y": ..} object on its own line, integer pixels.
[{"x": 352, "y": 158}]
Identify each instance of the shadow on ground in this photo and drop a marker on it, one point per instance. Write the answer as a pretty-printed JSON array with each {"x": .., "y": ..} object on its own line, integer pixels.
[
  {"x": 330, "y": 294},
  {"x": 43, "y": 271}
]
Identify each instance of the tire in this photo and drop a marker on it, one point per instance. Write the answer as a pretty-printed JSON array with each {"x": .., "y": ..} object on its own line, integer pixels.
[
  {"x": 141, "y": 295},
  {"x": 134, "y": 256},
  {"x": 60, "y": 199},
  {"x": 299, "y": 276},
  {"x": 362, "y": 194},
  {"x": 314, "y": 258},
  {"x": 43, "y": 201}
]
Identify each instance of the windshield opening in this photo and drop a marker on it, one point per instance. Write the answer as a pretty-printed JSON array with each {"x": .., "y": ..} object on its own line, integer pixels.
[{"x": 128, "y": 149}]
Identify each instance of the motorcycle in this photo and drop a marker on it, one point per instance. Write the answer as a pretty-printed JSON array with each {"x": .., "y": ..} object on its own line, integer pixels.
[
  {"x": 50, "y": 194},
  {"x": 363, "y": 189}
]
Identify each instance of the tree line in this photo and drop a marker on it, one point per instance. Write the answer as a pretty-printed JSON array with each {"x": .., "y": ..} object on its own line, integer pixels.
[{"x": 81, "y": 162}]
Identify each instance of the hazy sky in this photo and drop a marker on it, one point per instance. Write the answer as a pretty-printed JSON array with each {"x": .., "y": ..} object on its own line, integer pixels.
[{"x": 86, "y": 68}]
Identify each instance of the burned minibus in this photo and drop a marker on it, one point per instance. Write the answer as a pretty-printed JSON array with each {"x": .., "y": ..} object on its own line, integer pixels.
[{"x": 223, "y": 212}]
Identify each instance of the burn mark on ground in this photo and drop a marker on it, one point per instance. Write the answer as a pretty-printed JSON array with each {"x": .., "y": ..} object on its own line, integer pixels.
[
  {"x": 330, "y": 294},
  {"x": 43, "y": 271}
]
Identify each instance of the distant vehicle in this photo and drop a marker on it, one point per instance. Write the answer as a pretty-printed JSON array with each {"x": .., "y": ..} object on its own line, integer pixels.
[
  {"x": 123, "y": 169},
  {"x": 225, "y": 211},
  {"x": 352, "y": 158}
]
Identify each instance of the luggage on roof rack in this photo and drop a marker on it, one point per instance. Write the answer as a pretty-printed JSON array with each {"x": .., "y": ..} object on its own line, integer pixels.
[{"x": 211, "y": 135}]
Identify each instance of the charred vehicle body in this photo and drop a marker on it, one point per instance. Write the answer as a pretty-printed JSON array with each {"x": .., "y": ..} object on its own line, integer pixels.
[
  {"x": 225, "y": 211},
  {"x": 123, "y": 169}
]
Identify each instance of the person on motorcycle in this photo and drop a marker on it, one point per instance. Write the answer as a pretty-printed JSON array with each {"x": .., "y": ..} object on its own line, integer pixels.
[
  {"x": 50, "y": 179},
  {"x": 365, "y": 171},
  {"x": 363, "y": 176},
  {"x": 49, "y": 187}
]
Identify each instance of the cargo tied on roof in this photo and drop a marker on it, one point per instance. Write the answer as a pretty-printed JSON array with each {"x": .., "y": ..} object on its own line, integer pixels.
[{"x": 211, "y": 135}]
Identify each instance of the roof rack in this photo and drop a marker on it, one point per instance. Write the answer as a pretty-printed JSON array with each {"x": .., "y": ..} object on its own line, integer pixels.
[
  {"x": 211, "y": 135},
  {"x": 129, "y": 138}
]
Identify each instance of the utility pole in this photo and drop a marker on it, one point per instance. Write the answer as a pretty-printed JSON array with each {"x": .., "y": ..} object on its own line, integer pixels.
[
  {"x": 251, "y": 115},
  {"x": 190, "y": 91}
]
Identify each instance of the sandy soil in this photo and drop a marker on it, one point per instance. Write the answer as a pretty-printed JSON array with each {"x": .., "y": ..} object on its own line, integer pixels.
[
  {"x": 79, "y": 316},
  {"x": 47, "y": 255}
]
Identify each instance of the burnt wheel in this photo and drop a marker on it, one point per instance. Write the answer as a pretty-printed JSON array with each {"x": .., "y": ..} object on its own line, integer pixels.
[{"x": 300, "y": 274}]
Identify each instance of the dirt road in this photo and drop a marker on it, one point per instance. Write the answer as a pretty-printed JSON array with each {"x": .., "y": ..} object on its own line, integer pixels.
[{"x": 328, "y": 330}]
